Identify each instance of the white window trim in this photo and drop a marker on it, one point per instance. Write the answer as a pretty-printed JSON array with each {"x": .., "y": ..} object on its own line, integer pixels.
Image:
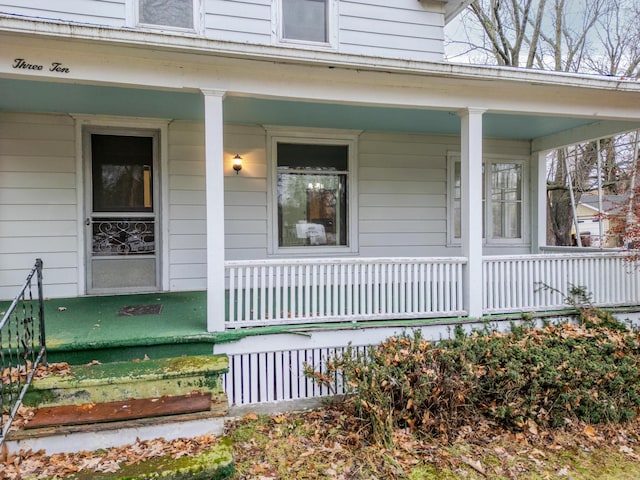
[
  {"x": 133, "y": 20},
  {"x": 488, "y": 160},
  {"x": 332, "y": 28},
  {"x": 349, "y": 138}
]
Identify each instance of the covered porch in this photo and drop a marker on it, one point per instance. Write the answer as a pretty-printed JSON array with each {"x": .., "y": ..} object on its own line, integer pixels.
[{"x": 419, "y": 146}]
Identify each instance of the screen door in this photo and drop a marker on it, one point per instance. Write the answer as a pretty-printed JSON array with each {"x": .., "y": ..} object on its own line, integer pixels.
[{"x": 122, "y": 219}]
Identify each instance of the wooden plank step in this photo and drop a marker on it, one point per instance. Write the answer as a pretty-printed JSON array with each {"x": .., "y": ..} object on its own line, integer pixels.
[{"x": 117, "y": 411}]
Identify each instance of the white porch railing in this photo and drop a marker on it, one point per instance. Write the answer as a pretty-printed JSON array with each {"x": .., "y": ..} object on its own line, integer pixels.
[
  {"x": 516, "y": 283},
  {"x": 271, "y": 368},
  {"x": 272, "y": 292}
]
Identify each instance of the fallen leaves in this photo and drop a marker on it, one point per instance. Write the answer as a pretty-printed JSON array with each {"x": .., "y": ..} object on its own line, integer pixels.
[
  {"x": 19, "y": 374},
  {"x": 28, "y": 464},
  {"x": 331, "y": 443}
]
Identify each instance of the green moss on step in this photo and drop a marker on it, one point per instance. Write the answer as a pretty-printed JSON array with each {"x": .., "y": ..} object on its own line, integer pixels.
[
  {"x": 139, "y": 371},
  {"x": 213, "y": 464},
  {"x": 122, "y": 380}
]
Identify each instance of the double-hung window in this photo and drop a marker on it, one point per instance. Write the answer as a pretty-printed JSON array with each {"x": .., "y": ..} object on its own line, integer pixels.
[
  {"x": 503, "y": 200},
  {"x": 306, "y": 21},
  {"x": 181, "y": 15},
  {"x": 312, "y": 194}
]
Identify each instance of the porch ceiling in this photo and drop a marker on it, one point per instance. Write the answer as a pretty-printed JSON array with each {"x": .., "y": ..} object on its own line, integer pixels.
[{"x": 47, "y": 97}]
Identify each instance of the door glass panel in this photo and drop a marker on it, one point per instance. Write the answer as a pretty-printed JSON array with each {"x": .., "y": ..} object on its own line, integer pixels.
[
  {"x": 122, "y": 173},
  {"x": 122, "y": 182}
]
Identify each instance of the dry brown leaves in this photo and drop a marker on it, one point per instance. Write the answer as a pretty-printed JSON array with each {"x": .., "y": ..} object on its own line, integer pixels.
[
  {"x": 329, "y": 444},
  {"x": 27, "y": 463},
  {"x": 13, "y": 375}
]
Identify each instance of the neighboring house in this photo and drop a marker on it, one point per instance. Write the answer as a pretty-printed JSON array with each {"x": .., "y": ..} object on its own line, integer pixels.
[
  {"x": 377, "y": 181},
  {"x": 594, "y": 219}
]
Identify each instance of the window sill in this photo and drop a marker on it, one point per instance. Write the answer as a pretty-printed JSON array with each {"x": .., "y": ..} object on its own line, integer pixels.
[
  {"x": 168, "y": 29},
  {"x": 307, "y": 45},
  {"x": 287, "y": 252}
]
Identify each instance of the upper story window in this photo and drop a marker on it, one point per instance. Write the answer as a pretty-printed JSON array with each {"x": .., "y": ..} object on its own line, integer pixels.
[
  {"x": 503, "y": 208},
  {"x": 172, "y": 14},
  {"x": 307, "y": 21},
  {"x": 312, "y": 203}
]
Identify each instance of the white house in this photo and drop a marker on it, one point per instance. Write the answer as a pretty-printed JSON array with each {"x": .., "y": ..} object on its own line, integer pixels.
[
  {"x": 377, "y": 181},
  {"x": 594, "y": 218}
]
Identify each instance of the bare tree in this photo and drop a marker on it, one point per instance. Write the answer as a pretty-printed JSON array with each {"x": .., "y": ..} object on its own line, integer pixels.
[{"x": 618, "y": 37}]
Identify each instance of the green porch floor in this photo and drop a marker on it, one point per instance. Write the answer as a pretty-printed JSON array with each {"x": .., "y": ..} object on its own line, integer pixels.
[{"x": 82, "y": 329}]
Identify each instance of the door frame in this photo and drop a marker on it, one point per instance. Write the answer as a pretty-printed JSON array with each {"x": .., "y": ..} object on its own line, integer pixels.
[{"x": 117, "y": 126}]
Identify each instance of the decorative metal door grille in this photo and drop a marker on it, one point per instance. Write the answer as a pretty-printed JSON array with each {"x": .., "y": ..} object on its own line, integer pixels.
[{"x": 123, "y": 236}]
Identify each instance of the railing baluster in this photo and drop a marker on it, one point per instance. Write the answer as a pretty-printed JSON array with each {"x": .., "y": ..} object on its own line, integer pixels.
[
  {"x": 281, "y": 293},
  {"x": 264, "y": 295},
  {"x": 255, "y": 293},
  {"x": 233, "y": 317}
]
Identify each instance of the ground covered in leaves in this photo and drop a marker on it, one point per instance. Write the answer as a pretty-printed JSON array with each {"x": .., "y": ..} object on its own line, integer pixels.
[
  {"x": 561, "y": 401},
  {"x": 33, "y": 465},
  {"x": 327, "y": 443},
  {"x": 330, "y": 444}
]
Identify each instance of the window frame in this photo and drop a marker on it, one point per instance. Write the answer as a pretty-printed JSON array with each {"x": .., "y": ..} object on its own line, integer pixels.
[
  {"x": 312, "y": 136},
  {"x": 198, "y": 19},
  {"x": 488, "y": 161},
  {"x": 277, "y": 28}
]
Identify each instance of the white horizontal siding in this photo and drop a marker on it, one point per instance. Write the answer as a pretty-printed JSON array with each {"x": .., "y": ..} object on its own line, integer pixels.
[
  {"x": 98, "y": 12},
  {"x": 402, "y": 193},
  {"x": 187, "y": 211},
  {"x": 38, "y": 202},
  {"x": 245, "y": 197},
  {"x": 404, "y": 29},
  {"x": 239, "y": 21},
  {"x": 245, "y": 201},
  {"x": 402, "y": 203}
]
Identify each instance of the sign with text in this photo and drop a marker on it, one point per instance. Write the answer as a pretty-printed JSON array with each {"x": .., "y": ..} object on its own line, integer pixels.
[{"x": 23, "y": 64}]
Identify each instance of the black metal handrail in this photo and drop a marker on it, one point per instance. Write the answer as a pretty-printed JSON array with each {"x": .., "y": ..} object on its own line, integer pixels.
[{"x": 22, "y": 347}]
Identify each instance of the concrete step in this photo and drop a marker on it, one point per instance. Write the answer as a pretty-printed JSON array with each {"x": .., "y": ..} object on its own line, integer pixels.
[
  {"x": 120, "y": 381},
  {"x": 107, "y": 405},
  {"x": 95, "y": 436},
  {"x": 213, "y": 464}
]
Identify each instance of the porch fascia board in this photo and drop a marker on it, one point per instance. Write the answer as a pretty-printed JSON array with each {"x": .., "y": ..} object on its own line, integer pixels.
[
  {"x": 449, "y": 87},
  {"x": 584, "y": 133}
]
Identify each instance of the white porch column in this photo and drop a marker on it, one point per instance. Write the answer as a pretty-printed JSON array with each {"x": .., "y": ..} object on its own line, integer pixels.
[
  {"x": 213, "y": 131},
  {"x": 471, "y": 192},
  {"x": 538, "y": 201}
]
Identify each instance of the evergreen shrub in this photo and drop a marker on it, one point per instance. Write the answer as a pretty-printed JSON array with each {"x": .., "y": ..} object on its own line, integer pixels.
[{"x": 589, "y": 371}]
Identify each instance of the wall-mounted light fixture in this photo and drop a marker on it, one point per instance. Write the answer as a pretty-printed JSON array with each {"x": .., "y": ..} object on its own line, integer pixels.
[{"x": 237, "y": 163}]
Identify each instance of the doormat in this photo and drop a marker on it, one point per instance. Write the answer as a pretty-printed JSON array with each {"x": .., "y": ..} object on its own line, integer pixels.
[{"x": 137, "y": 310}]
